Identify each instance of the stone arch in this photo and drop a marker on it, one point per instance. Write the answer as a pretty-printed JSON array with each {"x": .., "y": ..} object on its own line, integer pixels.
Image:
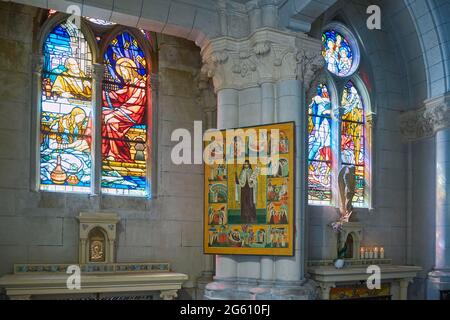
[{"x": 427, "y": 16}]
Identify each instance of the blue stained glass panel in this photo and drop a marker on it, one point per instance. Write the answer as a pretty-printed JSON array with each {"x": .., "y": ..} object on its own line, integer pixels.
[{"x": 65, "y": 120}]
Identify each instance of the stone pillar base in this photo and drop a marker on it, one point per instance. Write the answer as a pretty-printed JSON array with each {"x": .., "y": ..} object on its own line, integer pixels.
[
  {"x": 437, "y": 281},
  {"x": 202, "y": 282},
  {"x": 253, "y": 290}
]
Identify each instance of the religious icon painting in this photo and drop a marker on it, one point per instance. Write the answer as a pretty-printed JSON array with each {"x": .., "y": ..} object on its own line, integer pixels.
[{"x": 248, "y": 202}]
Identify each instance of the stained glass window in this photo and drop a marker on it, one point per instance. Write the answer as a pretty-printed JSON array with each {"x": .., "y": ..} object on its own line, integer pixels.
[
  {"x": 319, "y": 151},
  {"x": 337, "y": 53},
  {"x": 352, "y": 138},
  {"x": 124, "y": 118},
  {"x": 65, "y": 119}
]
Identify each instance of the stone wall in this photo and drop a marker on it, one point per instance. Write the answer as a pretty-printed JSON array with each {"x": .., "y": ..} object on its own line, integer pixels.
[{"x": 41, "y": 227}]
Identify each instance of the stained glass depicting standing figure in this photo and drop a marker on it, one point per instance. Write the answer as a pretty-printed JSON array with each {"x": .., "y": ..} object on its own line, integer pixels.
[
  {"x": 352, "y": 137},
  {"x": 337, "y": 53},
  {"x": 319, "y": 151},
  {"x": 124, "y": 118},
  {"x": 66, "y": 110}
]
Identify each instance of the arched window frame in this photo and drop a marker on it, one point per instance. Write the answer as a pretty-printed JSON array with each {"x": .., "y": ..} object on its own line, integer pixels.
[
  {"x": 107, "y": 33},
  {"x": 336, "y": 85}
]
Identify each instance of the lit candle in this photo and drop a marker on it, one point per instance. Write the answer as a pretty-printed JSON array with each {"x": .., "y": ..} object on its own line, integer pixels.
[
  {"x": 371, "y": 254},
  {"x": 361, "y": 254},
  {"x": 382, "y": 253},
  {"x": 375, "y": 252}
]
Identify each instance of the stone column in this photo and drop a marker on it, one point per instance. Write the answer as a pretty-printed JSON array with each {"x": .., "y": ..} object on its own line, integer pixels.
[
  {"x": 439, "y": 278},
  {"x": 96, "y": 149},
  {"x": 82, "y": 252},
  {"x": 267, "y": 116},
  {"x": 254, "y": 14},
  {"x": 207, "y": 100},
  {"x": 249, "y": 268},
  {"x": 267, "y": 102},
  {"x": 224, "y": 285},
  {"x": 442, "y": 199},
  {"x": 434, "y": 119},
  {"x": 290, "y": 269},
  {"x": 258, "y": 81}
]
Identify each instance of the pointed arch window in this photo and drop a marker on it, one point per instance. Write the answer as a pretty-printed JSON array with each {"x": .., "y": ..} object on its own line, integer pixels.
[
  {"x": 353, "y": 142},
  {"x": 66, "y": 111},
  {"x": 338, "y": 132},
  {"x": 319, "y": 152},
  {"x": 94, "y": 131}
]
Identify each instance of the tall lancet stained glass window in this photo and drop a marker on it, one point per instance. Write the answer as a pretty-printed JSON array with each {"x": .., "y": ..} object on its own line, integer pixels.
[
  {"x": 319, "y": 151},
  {"x": 337, "y": 53},
  {"x": 66, "y": 111},
  {"x": 126, "y": 104},
  {"x": 352, "y": 138}
]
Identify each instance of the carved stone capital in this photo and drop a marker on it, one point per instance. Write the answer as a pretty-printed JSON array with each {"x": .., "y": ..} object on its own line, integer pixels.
[
  {"x": 426, "y": 121},
  {"x": 311, "y": 64},
  {"x": 268, "y": 55}
]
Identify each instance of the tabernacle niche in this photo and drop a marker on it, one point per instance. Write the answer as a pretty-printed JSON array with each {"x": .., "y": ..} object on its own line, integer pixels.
[{"x": 97, "y": 240}]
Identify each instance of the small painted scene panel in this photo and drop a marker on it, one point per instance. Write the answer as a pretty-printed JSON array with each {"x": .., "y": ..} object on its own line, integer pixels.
[{"x": 248, "y": 236}]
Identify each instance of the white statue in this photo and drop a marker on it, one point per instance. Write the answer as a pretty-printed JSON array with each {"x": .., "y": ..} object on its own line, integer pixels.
[{"x": 347, "y": 185}]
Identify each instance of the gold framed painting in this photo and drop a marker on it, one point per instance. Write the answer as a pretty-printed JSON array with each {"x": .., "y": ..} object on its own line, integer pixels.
[{"x": 249, "y": 186}]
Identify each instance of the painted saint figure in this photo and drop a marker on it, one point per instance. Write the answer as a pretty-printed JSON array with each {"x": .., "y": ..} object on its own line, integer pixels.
[
  {"x": 70, "y": 83},
  {"x": 124, "y": 109},
  {"x": 246, "y": 192},
  {"x": 68, "y": 138}
]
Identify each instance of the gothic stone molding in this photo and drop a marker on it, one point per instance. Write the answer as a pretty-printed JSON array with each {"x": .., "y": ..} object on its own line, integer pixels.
[
  {"x": 426, "y": 121},
  {"x": 268, "y": 55}
]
